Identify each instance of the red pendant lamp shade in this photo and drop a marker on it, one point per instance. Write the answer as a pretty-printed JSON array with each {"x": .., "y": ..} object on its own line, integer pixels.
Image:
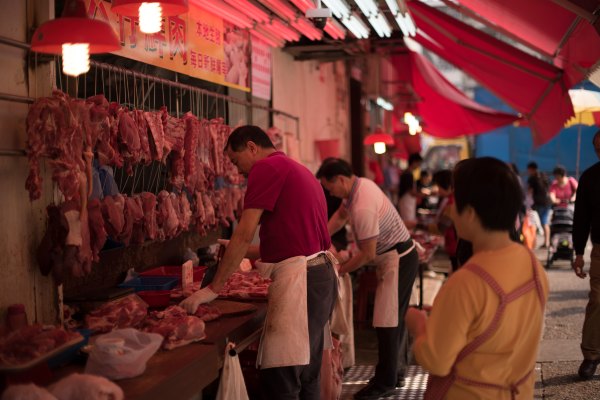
[
  {"x": 74, "y": 26},
  {"x": 131, "y": 7},
  {"x": 378, "y": 137}
]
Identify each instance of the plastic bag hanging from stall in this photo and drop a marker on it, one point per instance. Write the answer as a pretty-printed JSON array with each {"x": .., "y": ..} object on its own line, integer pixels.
[{"x": 232, "y": 385}]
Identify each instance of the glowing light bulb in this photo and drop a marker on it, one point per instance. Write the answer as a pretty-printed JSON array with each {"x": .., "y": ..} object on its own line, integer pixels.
[
  {"x": 76, "y": 58},
  {"x": 379, "y": 147},
  {"x": 150, "y": 17}
]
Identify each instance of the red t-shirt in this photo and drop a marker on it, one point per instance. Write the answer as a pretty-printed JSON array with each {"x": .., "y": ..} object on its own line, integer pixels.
[{"x": 294, "y": 221}]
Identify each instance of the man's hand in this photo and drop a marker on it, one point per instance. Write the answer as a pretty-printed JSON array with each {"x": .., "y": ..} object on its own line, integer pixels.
[
  {"x": 577, "y": 266},
  {"x": 204, "y": 295},
  {"x": 415, "y": 320}
]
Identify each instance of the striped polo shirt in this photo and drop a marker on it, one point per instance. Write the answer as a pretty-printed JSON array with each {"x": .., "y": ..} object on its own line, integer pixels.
[{"x": 372, "y": 215}]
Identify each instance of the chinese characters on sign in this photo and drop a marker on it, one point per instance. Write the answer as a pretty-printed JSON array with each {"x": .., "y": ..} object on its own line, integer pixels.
[{"x": 198, "y": 44}]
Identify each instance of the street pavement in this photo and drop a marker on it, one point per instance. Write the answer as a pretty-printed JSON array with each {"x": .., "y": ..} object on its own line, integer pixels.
[{"x": 560, "y": 355}]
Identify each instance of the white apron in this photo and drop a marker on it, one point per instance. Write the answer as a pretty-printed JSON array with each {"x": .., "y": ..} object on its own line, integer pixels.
[
  {"x": 284, "y": 340},
  {"x": 385, "y": 311}
]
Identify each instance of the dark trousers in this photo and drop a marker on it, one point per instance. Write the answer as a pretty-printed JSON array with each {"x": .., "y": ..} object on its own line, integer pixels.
[
  {"x": 303, "y": 381},
  {"x": 391, "y": 342}
]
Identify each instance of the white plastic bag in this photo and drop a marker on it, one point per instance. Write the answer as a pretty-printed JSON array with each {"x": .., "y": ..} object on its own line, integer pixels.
[
  {"x": 231, "y": 385},
  {"x": 127, "y": 360},
  {"x": 89, "y": 387}
]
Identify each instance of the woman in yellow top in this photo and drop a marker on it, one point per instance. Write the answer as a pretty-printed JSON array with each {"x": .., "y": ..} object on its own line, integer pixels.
[{"x": 482, "y": 337}]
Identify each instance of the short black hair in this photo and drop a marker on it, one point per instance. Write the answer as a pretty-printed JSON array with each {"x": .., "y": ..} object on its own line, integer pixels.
[
  {"x": 491, "y": 188},
  {"x": 424, "y": 173},
  {"x": 239, "y": 138},
  {"x": 532, "y": 165},
  {"x": 414, "y": 157},
  {"x": 333, "y": 167},
  {"x": 559, "y": 170},
  {"x": 443, "y": 179}
]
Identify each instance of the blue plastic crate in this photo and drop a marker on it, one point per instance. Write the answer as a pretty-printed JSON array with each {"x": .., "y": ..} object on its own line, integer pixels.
[
  {"x": 71, "y": 353},
  {"x": 151, "y": 283}
]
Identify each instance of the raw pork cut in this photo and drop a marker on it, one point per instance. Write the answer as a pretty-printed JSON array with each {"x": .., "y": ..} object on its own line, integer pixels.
[
  {"x": 127, "y": 312},
  {"x": 175, "y": 326},
  {"x": 32, "y": 341}
]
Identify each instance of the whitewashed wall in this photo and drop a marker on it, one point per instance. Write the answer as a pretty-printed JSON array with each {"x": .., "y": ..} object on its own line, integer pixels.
[
  {"x": 21, "y": 222},
  {"x": 318, "y": 94}
]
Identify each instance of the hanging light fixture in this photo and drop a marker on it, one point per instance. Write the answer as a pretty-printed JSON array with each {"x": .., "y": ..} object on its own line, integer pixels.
[
  {"x": 75, "y": 36},
  {"x": 150, "y": 13},
  {"x": 379, "y": 139},
  {"x": 414, "y": 126}
]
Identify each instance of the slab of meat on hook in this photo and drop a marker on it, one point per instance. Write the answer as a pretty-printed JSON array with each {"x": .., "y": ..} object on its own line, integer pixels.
[
  {"x": 129, "y": 140},
  {"x": 157, "y": 136},
  {"x": 53, "y": 131},
  {"x": 142, "y": 128},
  {"x": 186, "y": 212},
  {"x": 113, "y": 211},
  {"x": 78, "y": 254},
  {"x": 177, "y": 170},
  {"x": 98, "y": 234},
  {"x": 138, "y": 235},
  {"x": 174, "y": 129},
  {"x": 190, "y": 145},
  {"x": 133, "y": 214},
  {"x": 149, "y": 207},
  {"x": 101, "y": 122},
  {"x": 166, "y": 217}
]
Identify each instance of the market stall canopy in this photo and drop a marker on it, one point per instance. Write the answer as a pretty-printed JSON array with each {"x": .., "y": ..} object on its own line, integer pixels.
[
  {"x": 534, "y": 88},
  {"x": 445, "y": 110},
  {"x": 565, "y": 33}
]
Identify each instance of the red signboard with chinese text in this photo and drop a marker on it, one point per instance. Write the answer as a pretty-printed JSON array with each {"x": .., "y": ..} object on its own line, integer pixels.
[{"x": 198, "y": 44}]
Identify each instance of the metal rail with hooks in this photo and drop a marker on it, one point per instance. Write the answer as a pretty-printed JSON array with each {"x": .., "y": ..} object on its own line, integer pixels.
[{"x": 155, "y": 80}]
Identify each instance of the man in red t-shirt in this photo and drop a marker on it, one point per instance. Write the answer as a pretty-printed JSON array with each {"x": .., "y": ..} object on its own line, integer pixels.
[{"x": 288, "y": 202}]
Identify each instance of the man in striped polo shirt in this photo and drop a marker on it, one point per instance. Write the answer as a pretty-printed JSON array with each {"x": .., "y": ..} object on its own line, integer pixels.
[{"x": 382, "y": 240}]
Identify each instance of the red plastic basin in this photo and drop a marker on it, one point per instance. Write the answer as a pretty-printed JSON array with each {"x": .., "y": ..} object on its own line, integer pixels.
[
  {"x": 174, "y": 271},
  {"x": 156, "y": 298}
]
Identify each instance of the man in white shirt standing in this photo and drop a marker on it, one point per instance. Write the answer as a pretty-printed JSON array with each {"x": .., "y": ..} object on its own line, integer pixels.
[{"x": 382, "y": 239}]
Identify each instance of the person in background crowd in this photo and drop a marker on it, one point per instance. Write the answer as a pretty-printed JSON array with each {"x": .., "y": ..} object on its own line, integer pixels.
[
  {"x": 481, "y": 339},
  {"x": 443, "y": 224},
  {"x": 537, "y": 186},
  {"x": 289, "y": 203},
  {"x": 338, "y": 239},
  {"x": 587, "y": 222},
  {"x": 407, "y": 192},
  {"x": 375, "y": 171},
  {"x": 514, "y": 168},
  {"x": 563, "y": 188},
  {"x": 391, "y": 178},
  {"x": 382, "y": 238},
  {"x": 426, "y": 191}
]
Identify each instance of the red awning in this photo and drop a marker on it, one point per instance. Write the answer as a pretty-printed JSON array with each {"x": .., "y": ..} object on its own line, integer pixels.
[
  {"x": 534, "y": 88},
  {"x": 569, "y": 39},
  {"x": 446, "y": 112}
]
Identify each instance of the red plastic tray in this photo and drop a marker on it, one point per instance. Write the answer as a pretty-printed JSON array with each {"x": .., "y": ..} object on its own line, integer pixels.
[
  {"x": 156, "y": 298},
  {"x": 174, "y": 271}
]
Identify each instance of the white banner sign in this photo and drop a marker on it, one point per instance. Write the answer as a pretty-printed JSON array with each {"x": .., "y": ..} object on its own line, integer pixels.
[{"x": 261, "y": 69}]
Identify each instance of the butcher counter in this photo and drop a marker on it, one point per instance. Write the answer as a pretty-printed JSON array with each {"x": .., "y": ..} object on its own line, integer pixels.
[{"x": 183, "y": 372}]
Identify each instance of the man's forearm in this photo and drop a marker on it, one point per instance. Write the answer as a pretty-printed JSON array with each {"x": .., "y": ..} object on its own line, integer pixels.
[
  {"x": 235, "y": 252},
  {"x": 354, "y": 263}
]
